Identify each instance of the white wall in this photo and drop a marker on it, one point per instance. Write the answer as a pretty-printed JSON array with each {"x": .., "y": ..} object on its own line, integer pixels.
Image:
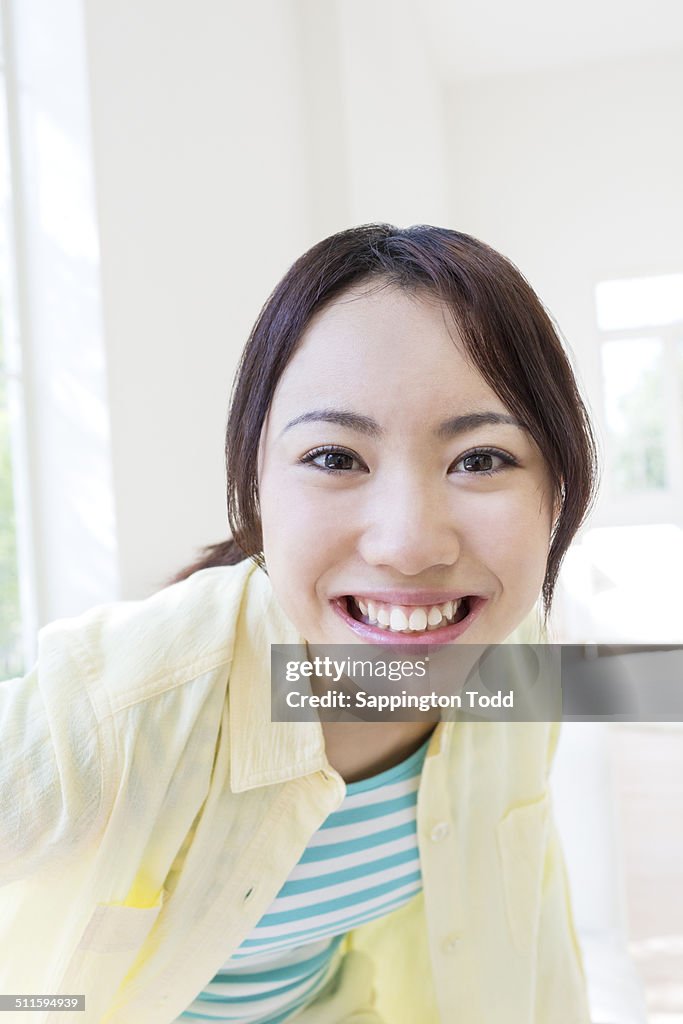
[
  {"x": 576, "y": 175},
  {"x": 393, "y": 115},
  {"x": 373, "y": 103}
]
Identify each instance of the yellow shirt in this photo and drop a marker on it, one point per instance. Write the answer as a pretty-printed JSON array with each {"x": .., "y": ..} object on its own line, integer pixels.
[{"x": 150, "y": 811}]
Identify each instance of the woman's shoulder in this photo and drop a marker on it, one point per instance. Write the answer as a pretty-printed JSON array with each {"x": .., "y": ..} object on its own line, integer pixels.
[{"x": 177, "y": 632}]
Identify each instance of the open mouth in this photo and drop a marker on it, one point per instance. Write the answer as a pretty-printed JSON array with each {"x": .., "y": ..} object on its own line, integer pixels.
[{"x": 407, "y": 619}]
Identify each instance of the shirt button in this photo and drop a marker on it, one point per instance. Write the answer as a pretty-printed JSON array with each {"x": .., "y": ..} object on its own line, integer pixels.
[
  {"x": 450, "y": 945},
  {"x": 440, "y": 831}
]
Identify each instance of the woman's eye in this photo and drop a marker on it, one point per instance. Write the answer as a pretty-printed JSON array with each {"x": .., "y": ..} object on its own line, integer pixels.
[
  {"x": 331, "y": 460},
  {"x": 484, "y": 462}
]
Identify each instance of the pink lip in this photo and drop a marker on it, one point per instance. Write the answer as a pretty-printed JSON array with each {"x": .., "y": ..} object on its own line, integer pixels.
[
  {"x": 418, "y": 598},
  {"x": 375, "y": 635}
]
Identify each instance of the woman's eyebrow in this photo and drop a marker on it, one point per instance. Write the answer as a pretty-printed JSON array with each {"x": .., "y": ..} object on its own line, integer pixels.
[
  {"x": 353, "y": 420},
  {"x": 471, "y": 420},
  {"x": 366, "y": 425}
]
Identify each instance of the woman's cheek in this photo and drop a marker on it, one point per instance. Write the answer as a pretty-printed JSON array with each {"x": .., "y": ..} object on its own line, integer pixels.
[
  {"x": 496, "y": 519},
  {"x": 313, "y": 524},
  {"x": 301, "y": 544},
  {"x": 512, "y": 536}
]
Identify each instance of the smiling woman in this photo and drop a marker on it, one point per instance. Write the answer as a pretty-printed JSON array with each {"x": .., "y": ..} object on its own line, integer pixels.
[{"x": 408, "y": 461}]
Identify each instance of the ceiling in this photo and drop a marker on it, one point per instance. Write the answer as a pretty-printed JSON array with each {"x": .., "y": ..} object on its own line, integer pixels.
[{"x": 473, "y": 38}]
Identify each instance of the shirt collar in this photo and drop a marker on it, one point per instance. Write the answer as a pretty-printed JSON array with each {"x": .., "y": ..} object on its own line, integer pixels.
[{"x": 263, "y": 752}]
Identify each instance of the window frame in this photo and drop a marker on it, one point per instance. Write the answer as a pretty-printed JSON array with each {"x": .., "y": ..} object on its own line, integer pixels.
[{"x": 14, "y": 312}]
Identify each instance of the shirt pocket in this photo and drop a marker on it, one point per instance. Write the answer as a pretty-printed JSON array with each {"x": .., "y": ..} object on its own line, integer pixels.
[
  {"x": 109, "y": 944},
  {"x": 522, "y": 836}
]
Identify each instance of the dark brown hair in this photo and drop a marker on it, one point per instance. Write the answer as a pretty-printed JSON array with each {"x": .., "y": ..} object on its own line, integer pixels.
[{"x": 506, "y": 332}]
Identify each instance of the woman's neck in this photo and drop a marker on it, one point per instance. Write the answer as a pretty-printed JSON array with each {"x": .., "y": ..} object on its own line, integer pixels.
[{"x": 358, "y": 750}]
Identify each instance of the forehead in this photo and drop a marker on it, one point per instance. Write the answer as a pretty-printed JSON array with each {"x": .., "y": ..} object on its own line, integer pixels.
[{"x": 381, "y": 348}]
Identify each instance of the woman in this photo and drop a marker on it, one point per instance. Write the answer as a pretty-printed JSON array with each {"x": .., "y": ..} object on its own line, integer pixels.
[{"x": 408, "y": 461}]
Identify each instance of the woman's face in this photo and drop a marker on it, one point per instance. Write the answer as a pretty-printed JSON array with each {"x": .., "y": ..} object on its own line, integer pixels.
[{"x": 400, "y": 502}]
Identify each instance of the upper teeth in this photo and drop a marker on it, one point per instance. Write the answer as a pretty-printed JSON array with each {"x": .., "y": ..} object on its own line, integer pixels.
[{"x": 407, "y": 618}]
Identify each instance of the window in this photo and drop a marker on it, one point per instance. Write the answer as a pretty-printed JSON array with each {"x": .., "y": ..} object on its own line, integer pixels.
[
  {"x": 16, "y": 593},
  {"x": 634, "y": 381},
  {"x": 620, "y": 577},
  {"x": 10, "y": 617},
  {"x": 641, "y": 341}
]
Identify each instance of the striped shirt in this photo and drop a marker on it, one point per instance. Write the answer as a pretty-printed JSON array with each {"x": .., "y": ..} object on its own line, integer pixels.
[{"x": 362, "y": 863}]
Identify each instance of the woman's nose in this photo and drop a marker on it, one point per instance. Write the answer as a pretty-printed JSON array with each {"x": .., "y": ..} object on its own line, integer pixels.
[{"x": 410, "y": 531}]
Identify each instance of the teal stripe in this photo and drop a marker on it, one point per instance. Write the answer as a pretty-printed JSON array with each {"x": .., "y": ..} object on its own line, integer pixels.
[
  {"x": 349, "y": 925},
  {"x": 213, "y": 997},
  {"x": 367, "y": 813},
  {"x": 284, "y": 973},
  {"x": 322, "y": 882},
  {"x": 341, "y": 903},
  {"x": 330, "y": 850}
]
